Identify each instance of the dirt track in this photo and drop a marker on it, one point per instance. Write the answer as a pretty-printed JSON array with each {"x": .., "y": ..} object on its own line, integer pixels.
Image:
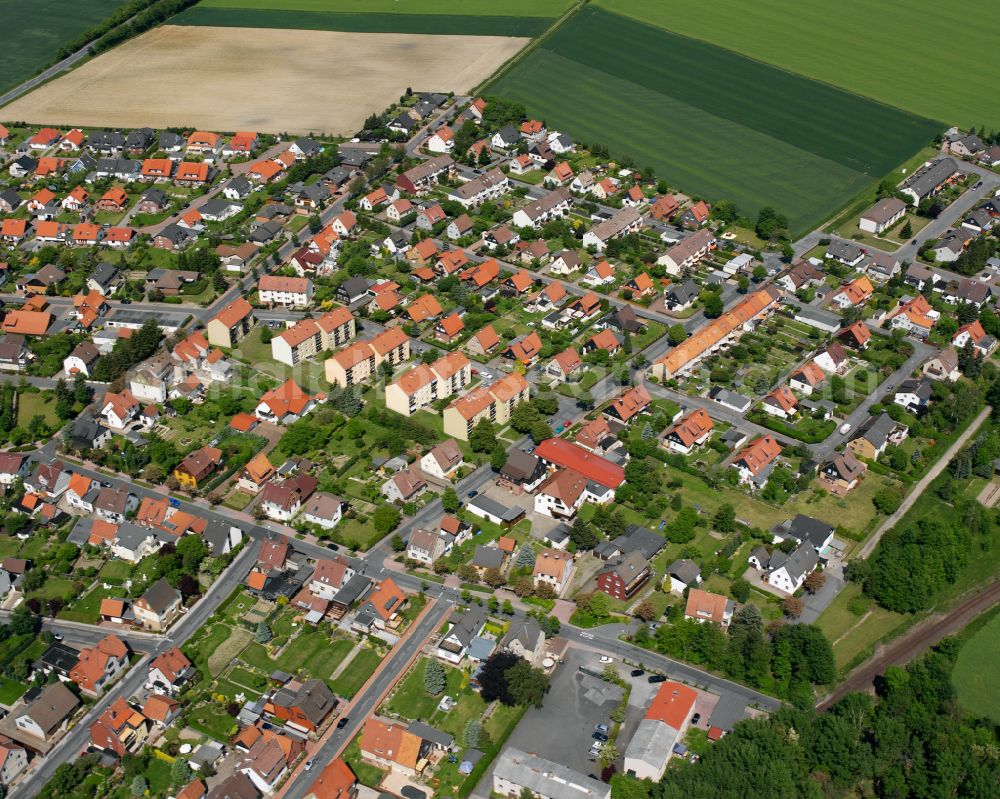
[
  {"x": 266, "y": 80},
  {"x": 914, "y": 641}
]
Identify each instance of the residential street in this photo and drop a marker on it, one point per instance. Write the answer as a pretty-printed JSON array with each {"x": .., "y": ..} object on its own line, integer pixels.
[{"x": 934, "y": 229}]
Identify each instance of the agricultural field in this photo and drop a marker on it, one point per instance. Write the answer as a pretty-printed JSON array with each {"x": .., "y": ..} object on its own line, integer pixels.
[
  {"x": 252, "y": 90},
  {"x": 34, "y": 32},
  {"x": 470, "y": 18},
  {"x": 977, "y": 670},
  {"x": 911, "y": 54},
  {"x": 710, "y": 121}
]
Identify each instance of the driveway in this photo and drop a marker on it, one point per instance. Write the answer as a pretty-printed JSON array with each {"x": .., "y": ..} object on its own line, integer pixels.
[{"x": 818, "y": 602}]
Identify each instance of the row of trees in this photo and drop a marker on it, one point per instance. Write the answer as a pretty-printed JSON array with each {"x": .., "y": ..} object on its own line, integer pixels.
[
  {"x": 785, "y": 660},
  {"x": 907, "y": 743}
]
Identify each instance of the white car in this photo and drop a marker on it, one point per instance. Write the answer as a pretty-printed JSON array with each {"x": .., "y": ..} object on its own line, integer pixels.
[{"x": 606, "y": 659}]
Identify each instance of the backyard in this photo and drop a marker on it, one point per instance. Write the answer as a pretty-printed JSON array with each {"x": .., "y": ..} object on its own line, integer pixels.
[{"x": 411, "y": 701}]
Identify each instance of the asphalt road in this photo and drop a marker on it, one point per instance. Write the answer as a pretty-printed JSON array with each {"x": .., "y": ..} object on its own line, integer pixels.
[
  {"x": 78, "y": 738},
  {"x": 363, "y": 705},
  {"x": 605, "y": 639},
  {"x": 45, "y": 75},
  {"x": 934, "y": 229}
]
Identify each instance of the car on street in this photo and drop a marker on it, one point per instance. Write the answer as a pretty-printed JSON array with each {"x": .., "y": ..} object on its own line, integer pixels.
[
  {"x": 978, "y": 186},
  {"x": 606, "y": 659},
  {"x": 342, "y": 723},
  {"x": 57, "y": 636},
  {"x": 657, "y": 678},
  {"x": 307, "y": 766},
  {"x": 637, "y": 672}
]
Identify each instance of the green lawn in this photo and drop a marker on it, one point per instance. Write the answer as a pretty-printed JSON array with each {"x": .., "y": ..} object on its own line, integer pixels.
[
  {"x": 977, "y": 671},
  {"x": 361, "y": 667},
  {"x": 470, "y": 17},
  {"x": 315, "y": 654},
  {"x": 88, "y": 608},
  {"x": 212, "y": 720},
  {"x": 412, "y": 702},
  {"x": 894, "y": 46},
  {"x": 850, "y": 633},
  {"x": 32, "y": 403},
  {"x": 158, "y": 776},
  {"x": 10, "y": 691},
  {"x": 35, "y": 31},
  {"x": 115, "y": 571},
  {"x": 711, "y": 121},
  {"x": 366, "y": 773},
  {"x": 53, "y": 587}
]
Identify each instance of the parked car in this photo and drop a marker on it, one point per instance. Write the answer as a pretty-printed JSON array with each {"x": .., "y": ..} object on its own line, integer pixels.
[
  {"x": 473, "y": 494},
  {"x": 333, "y": 546},
  {"x": 599, "y": 736},
  {"x": 696, "y": 718},
  {"x": 637, "y": 672},
  {"x": 342, "y": 723},
  {"x": 307, "y": 766},
  {"x": 606, "y": 659},
  {"x": 602, "y": 728},
  {"x": 657, "y": 678}
]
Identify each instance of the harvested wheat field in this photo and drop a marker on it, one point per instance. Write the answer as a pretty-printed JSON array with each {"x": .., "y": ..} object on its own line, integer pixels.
[{"x": 269, "y": 80}]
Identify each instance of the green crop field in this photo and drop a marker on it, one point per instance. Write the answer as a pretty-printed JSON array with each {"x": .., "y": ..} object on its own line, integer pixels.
[
  {"x": 710, "y": 121},
  {"x": 916, "y": 55},
  {"x": 468, "y": 18},
  {"x": 34, "y": 31},
  {"x": 977, "y": 671}
]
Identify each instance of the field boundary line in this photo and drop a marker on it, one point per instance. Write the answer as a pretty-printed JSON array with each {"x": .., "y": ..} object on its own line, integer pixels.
[
  {"x": 529, "y": 48},
  {"x": 772, "y": 66}
]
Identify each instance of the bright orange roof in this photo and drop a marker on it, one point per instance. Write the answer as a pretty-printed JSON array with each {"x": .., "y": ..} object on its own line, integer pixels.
[
  {"x": 334, "y": 782},
  {"x": 672, "y": 704},
  {"x": 760, "y": 453},
  {"x": 256, "y": 580},
  {"x": 13, "y": 227},
  {"x": 236, "y": 310},
  {"x": 452, "y": 324},
  {"x": 716, "y": 330},
  {"x": 266, "y": 169},
  {"x": 424, "y": 307},
  {"x": 187, "y": 170},
  {"x": 27, "y": 323},
  {"x": 487, "y": 338},
  {"x": 521, "y": 280}
]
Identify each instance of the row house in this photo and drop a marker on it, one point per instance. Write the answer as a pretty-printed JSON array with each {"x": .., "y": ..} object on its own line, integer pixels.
[{"x": 491, "y": 186}]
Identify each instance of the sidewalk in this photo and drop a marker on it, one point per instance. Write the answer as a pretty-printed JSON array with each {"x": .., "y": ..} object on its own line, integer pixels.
[{"x": 313, "y": 747}]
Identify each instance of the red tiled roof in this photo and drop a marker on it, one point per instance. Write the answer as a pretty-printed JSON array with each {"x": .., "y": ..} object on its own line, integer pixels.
[
  {"x": 570, "y": 456},
  {"x": 672, "y": 704}
]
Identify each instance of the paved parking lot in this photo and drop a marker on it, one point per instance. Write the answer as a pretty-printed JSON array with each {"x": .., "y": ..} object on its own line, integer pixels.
[{"x": 561, "y": 731}]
